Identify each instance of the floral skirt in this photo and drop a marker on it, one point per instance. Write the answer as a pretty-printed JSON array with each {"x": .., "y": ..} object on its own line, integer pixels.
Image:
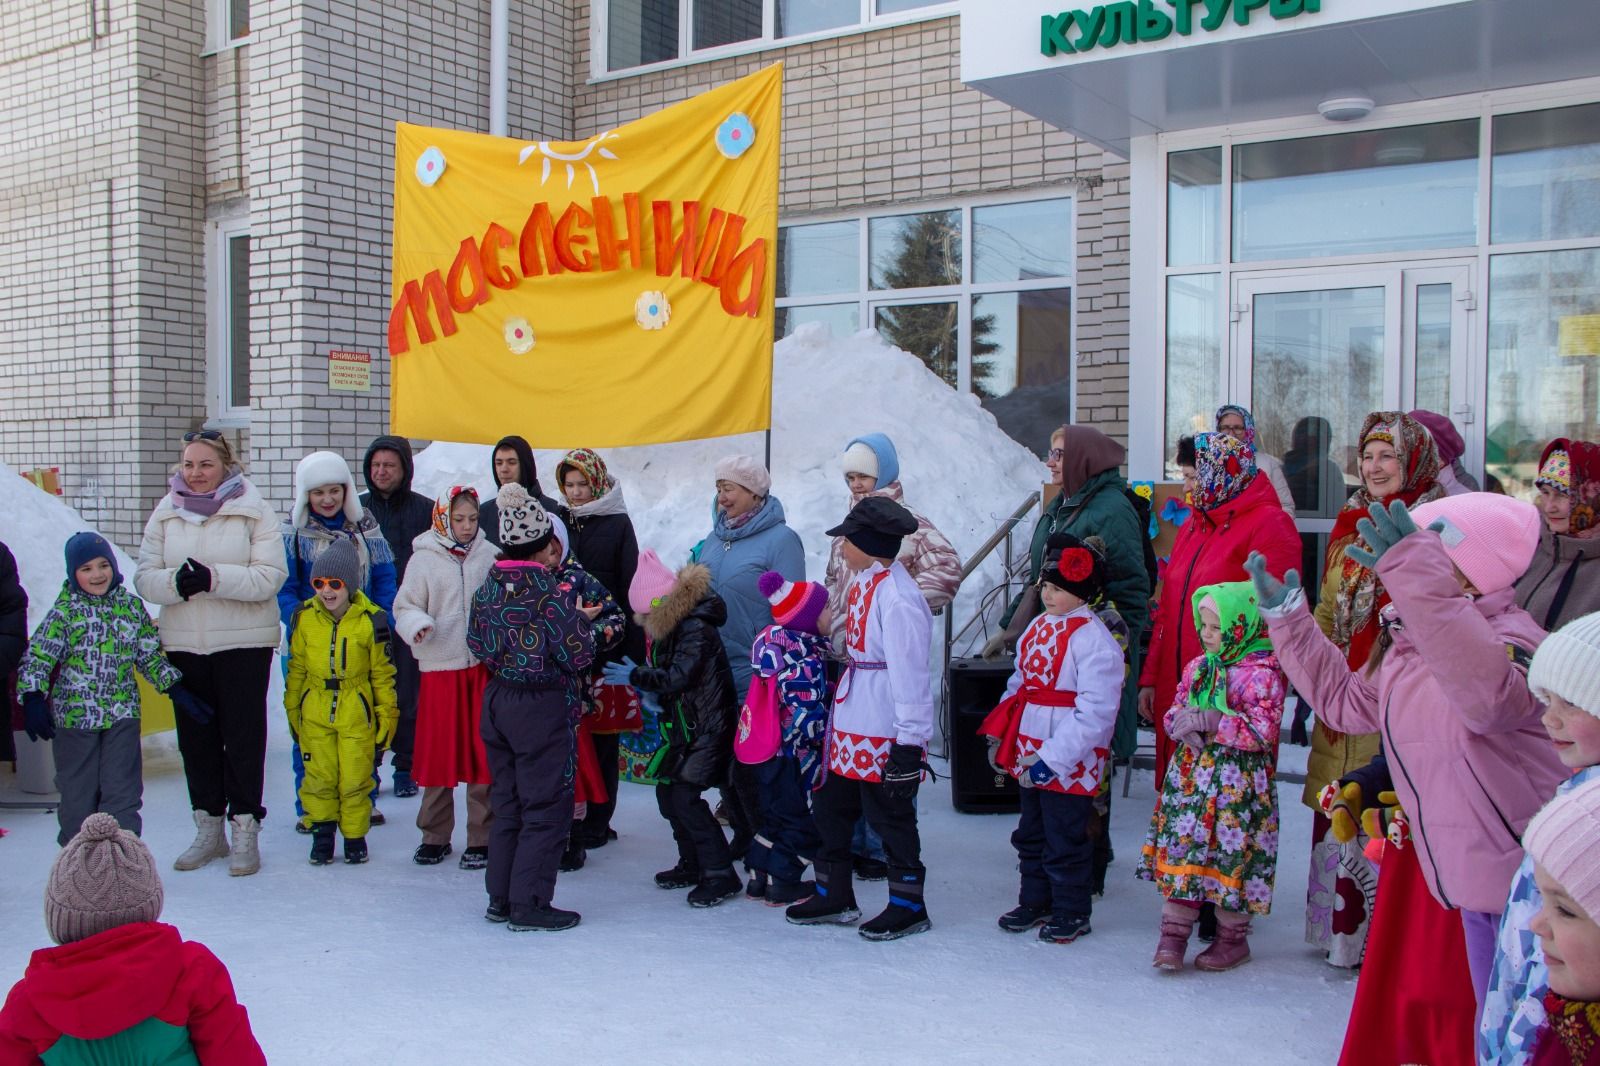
[
  {"x": 1214, "y": 837},
  {"x": 1340, "y": 892}
]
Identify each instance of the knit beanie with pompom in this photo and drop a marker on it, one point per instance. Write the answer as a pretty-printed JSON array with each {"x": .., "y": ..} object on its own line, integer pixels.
[{"x": 103, "y": 878}]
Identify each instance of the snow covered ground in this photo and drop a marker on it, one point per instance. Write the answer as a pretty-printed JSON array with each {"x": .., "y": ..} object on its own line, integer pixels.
[{"x": 393, "y": 963}]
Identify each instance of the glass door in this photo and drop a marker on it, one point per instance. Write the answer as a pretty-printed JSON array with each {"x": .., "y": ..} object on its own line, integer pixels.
[{"x": 1314, "y": 353}]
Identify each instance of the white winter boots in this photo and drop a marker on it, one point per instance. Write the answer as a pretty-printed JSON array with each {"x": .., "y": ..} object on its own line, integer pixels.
[
  {"x": 209, "y": 843},
  {"x": 244, "y": 858}
]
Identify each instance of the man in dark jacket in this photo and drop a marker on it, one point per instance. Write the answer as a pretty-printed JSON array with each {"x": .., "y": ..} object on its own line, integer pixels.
[
  {"x": 13, "y": 639},
  {"x": 513, "y": 461},
  {"x": 402, "y": 515}
]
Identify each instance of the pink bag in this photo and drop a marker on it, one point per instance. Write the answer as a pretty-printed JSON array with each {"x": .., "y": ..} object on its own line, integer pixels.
[{"x": 756, "y": 739}]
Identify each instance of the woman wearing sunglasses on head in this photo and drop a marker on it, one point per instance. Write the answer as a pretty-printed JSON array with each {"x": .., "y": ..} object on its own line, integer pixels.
[{"x": 212, "y": 559}]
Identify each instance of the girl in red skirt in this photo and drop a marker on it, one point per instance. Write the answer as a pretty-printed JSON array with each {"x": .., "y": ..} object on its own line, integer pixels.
[{"x": 448, "y": 564}]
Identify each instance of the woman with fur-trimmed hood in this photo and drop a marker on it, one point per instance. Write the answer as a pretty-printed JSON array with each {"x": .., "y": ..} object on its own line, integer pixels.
[
  {"x": 327, "y": 510},
  {"x": 687, "y": 671}
]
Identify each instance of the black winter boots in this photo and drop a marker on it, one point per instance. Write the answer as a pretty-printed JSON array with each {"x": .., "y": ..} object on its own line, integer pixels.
[
  {"x": 834, "y": 902},
  {"x": 541, "y": 918},
  {"x": 905, "y": 914},
  {"x": 430, "y": 854},
  {"x": 714, "y": 888},
  {"x": 1020, "y": 919},
  {"x": 355, "y": 850},
  {"x": 680, "y": 876},
  {"x": 322, "y": 843}
]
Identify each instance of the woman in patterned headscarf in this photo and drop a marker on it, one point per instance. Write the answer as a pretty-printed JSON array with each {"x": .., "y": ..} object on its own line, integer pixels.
[
  {"x": 1564, "y": 581},
  {"x": 1399, "y": 460}
]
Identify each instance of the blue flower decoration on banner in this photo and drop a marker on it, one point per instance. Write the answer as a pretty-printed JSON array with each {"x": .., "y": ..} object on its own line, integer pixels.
[
  {"x": 735, "y": 135},
  {"x": 1175, "y": 512}
]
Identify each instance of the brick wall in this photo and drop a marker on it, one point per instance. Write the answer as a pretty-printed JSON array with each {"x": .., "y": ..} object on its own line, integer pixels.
[
  {"x": 882, "y": 118},
  {"x": 99, "y": 230}
]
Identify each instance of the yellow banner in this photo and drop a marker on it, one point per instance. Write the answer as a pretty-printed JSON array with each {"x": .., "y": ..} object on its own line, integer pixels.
[{"x": 597, "y": 293}]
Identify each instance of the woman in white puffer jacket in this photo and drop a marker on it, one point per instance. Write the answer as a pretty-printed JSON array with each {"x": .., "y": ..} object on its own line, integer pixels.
[{"x": 212, "y": 559}]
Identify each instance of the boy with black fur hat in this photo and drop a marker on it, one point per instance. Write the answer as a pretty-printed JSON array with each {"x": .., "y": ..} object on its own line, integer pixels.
[
  {"x": 527, "y": 627},
  {"x": 882, "y": 719},
  {"x": 1052, "y": 732}
]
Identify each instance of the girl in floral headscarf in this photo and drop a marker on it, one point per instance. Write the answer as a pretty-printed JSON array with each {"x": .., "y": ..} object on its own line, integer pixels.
[
  {"x": 1564, "y": 581},
  {"x": 448, "y": 563},
  {"x": 1214, "y": 838},
  {"x": 1237, "y": 421},
  {"x": 1399, "y": 460}
]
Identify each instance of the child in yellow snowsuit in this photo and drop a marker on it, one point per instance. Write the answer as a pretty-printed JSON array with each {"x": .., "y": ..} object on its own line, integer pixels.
[{"x": 340, "y": 700}]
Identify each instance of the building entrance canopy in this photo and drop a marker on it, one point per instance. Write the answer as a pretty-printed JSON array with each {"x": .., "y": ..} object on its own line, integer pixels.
[{"x": 1252, "y": 60}]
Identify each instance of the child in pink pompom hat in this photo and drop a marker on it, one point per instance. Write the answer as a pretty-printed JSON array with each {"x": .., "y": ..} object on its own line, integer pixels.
[{"x": 1490, "y": 538}]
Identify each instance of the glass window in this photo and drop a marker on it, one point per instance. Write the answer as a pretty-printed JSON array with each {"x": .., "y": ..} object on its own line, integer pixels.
[
  {"x": 1194, "y": 207},
  {"x": 915, "y": 251},
  {"x": 1411, "y": 188},
  {"x": 1316, "y": 371},
  {"x": 237, "y": 389},
  {"x": 795, "y": 17},
  {"x": 1435, "y": 306},
  {"x": 1022, "y": 361},
  {"x": 841, "y": 319},
  {"x": 930, "y": 331},
  {"x": 890, "y": 7},
  {"x": 719, "y": 22},
  {"x": 1020, "y": 242},
  {"x": 1544, "y": 359},
  {"x": 1194, "y": 358},
  {"x": 818, "y": 259},
  {"x": 1546, "y": 175},
  {"x": 238, "y": 19},
  {"x": 641, "y": 31}
]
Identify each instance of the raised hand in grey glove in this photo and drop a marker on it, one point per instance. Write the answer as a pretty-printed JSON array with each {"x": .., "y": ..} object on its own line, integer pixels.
[
  {"x": 1194, "y": 726},
  {"x": 1383, "y": 530},
  {"x": 1270, "y": 592}
]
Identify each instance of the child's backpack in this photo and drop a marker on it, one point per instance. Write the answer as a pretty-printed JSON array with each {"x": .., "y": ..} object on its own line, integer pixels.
[{"x": 756, "y": 738}]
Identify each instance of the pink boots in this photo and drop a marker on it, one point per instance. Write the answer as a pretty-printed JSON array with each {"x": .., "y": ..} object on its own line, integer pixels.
[
  {"x": 1230, "y": 949},
  {"x": 1177, "y": 922}
]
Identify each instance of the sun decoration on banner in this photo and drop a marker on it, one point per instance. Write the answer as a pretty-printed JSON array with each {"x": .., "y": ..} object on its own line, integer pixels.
[
  {"x": 736, "y": 134},
  {"x": 519, "y": 335},
  {"x": 651, "y": 310},
  {"x": 430, "y": 166},
  {"x": 571, "y": 160}
]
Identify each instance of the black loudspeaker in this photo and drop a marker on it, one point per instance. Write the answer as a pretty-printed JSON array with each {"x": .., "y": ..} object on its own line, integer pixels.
[{"x": 976, "y": 686}]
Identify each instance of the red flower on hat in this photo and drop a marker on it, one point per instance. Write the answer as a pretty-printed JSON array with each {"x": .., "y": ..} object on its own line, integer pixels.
[{"x": 1076, "y": 564}]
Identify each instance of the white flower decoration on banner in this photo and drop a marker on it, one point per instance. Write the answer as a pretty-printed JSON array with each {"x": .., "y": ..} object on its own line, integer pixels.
[
  {"x": 519, "y": 336},
  {"x": 651, "y": 310},
  {"x": 736, "y": 134},
  {"x": 430, "y": 166},
  {"x": 571, "y": 160}
]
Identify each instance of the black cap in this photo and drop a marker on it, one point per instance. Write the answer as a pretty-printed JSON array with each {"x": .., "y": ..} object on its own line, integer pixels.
[
  {"x": 876, "y": 525},
  {"x": 1084, "y": 582}
]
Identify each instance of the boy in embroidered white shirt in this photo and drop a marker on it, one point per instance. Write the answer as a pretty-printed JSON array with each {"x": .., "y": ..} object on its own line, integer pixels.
[
  {"x": 882, "y": 720},
  {"x": 1052, "y": 732}
]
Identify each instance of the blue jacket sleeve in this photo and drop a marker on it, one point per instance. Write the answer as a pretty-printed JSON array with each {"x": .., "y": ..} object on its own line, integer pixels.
[
  {"x": 289, "y": 593},
  {"x": 382, "y": 584}
]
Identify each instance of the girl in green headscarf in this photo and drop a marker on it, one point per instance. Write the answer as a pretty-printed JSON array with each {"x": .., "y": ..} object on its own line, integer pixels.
[{"x": 1214, "y": 837}]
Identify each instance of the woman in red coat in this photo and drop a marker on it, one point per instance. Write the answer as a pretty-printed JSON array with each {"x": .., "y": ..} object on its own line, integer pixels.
[{"x": 1235, "y": 512}]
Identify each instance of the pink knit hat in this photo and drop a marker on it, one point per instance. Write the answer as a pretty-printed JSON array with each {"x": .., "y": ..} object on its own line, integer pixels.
[
  {"x": 651, "y": 581},
  {"x": 795, "y": 604},
  {"x": 103, "y": 878},
  {"x": 1491, "y": 538},
  {"x": 1564, "y": 838}
]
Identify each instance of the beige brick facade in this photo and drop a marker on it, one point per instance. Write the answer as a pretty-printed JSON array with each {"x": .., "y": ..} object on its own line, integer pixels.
[{"x": 127, "y": 143}]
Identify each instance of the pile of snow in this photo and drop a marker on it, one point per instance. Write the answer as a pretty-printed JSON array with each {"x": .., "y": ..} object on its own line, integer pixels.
[
  {"x": 36, "y": 530},
  {"x": 957, "y": 465}
]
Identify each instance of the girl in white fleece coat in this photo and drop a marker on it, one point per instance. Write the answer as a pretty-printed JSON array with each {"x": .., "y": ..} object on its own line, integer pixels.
[{"x": 449, "y": 563}]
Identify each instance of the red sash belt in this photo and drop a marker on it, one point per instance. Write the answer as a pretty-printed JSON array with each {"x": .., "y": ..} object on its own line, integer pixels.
[{"x": 1005, "y": 721}]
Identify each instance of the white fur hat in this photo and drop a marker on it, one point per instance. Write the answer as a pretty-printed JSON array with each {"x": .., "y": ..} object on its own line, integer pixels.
[{"x": 319, "y": 469}]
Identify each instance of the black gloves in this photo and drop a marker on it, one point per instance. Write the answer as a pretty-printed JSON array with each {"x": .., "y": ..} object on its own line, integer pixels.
[
  {"x": 36, "y": 715},
  {"x": 193, "y": 578},
  {"x": 903, "y": 772}
]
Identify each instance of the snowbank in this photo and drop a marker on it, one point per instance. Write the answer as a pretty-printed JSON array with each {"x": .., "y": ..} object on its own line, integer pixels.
[
  {"x": 36, "y": 530},
  {"x": 958, "y": 467}
]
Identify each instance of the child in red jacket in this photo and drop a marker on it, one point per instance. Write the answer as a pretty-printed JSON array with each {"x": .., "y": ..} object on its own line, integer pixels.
[{"x": 122, "y": 986}]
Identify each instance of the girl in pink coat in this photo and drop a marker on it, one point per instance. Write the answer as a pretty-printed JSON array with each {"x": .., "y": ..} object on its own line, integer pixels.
[{"x": 1446, "y": 686}]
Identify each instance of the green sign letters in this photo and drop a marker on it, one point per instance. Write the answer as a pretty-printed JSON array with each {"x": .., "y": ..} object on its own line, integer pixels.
[{"x": 1131, "y": 21}]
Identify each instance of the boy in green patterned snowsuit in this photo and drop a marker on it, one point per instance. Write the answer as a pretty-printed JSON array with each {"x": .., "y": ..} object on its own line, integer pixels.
[{"x": 79, "y": 690}]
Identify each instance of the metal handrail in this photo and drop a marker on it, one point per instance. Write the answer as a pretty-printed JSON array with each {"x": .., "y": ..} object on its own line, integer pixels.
[{"x": 1002, "y": 535}]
